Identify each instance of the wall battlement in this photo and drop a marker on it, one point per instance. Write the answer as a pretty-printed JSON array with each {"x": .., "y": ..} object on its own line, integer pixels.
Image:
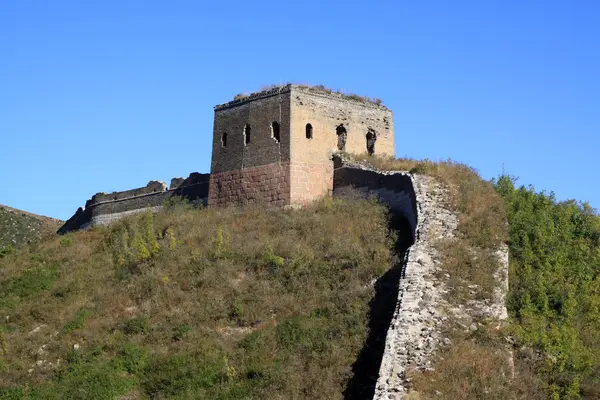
[
  {"x": 317, "y": 90},
  {"x": 104, "y": 208}
]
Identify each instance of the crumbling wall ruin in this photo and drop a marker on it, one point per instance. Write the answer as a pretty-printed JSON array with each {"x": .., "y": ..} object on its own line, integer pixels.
[
  {"x": 408, "y": 313},
  {"x": 104, "y": 208}
]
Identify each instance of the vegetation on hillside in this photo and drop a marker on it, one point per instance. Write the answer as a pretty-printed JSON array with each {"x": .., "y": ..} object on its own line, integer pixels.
[
  {"x": 18, "y": 228},
  {"x": 251, "y": 303},
  {"x": 554, "y": 297},
  {"x": 186, "y": 304}
]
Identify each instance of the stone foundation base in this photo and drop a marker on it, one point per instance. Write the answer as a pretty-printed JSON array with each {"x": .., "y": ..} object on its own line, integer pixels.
[
  {"x": 310, "y": 181},
  {"x": 267, "y": 184}
]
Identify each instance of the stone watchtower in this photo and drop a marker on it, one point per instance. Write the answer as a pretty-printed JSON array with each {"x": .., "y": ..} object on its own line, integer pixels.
[{"x": 276, "y": 146}]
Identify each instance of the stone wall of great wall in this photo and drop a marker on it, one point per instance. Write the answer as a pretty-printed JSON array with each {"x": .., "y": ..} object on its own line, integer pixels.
[
  {"x": 104, "y": 208},
  {"x": 408, "y": 312}
]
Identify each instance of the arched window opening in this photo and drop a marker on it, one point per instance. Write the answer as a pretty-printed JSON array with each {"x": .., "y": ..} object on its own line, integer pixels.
[
  {"x": 341, "y": 135},
  {"x": 247, "y": 132},
  {"x": 308, "y": 131},
  {"x": 371, "y": 138},
  {"x": 224, "y": 139},
  {"x": 275, "y": 131}
]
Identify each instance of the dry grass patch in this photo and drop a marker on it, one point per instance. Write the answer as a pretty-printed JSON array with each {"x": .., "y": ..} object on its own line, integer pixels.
[
  {"x": 223, "y": 304},
  {"x": 470, "y": 273},
  {"x": 467, "y": 370},
  {"x": 482, "y": 218}
]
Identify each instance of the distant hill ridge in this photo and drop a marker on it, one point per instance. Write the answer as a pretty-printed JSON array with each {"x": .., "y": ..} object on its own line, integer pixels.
[{"x": 18, "y": 227}]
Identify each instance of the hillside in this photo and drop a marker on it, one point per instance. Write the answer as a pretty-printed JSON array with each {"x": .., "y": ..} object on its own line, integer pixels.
[
  {"x": 19, "y": 227},
  {"x": 195, "y": 304},
  {"x": 554, "y": 300},
  {"x": 265, "y": 303}
]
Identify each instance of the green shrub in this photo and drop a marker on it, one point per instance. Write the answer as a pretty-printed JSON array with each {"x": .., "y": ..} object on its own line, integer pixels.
[
  {"x": 219, "y": 244},
  {"x": 13, "y": 393},
  {"x": 87, "y": 376},
  {"x": 6, "y": 250},
  {"x": 174, "y": 203},
  {"x": 237, "y": 310},
  {"x": 30, "y": 283},
  {"x": 148, "y": 232},
  {"x": 272, "y": 261},
  {"x": 78, "y": 321},
  {"x": 134, "y": 242},
  {"x": 183, "y": 374},
  {"x": 136, "y": 326},
  {"x": 132, "y": 358},
  {"x": 554, "y": 296},
  {"x": 181, "y": 331}
]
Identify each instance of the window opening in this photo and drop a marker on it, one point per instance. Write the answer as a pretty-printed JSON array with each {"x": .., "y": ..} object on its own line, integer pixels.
[
  {"x": 224, "y": 139},
  {"x": 247, "y": 132},
  {"x": 341, "y": 135},
  {"x": 275, "y": 131},
  {"x": 309, "y": 131},
  {"x": 371, "y": 138}
]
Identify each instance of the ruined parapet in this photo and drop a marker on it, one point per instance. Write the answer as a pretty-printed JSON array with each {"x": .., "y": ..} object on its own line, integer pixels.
[
  {"x": 415, "y": 331},
  {"x": 104, "y": 208},
  {"x": 411, "y": 310},
  {"x": 422, "y": 313},
  {"x": 150, "y": 188},
  {"x": 411, "y": 323},
  {"x": 175, "y": 182}
]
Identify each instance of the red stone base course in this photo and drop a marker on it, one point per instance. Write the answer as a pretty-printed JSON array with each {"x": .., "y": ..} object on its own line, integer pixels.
[
  {"x": 267, "y": 184},
  {"x": 310, "y": 181}
]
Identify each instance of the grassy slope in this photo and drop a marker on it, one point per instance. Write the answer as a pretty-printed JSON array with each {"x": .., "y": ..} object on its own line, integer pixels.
[
  {"x": 19, "y": 227},
  {"x": 254, "y": 302},
  {"x": 224, "y": 304}
]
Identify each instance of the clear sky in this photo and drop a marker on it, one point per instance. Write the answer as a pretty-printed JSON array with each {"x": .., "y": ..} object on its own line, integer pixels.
[{"x": 107, "y": 95}]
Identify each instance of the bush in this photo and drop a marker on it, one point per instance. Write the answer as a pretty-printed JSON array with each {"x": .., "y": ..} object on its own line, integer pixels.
[
  {"x": 183, "y": 374},
  {"x": 181, "y": 331},
  {"x": 134, "y": 241},
  {"x": 554, "y": 296},
  {"x": 272, "y": 261},
  {"x": 30, "y": 283},
  {"x": 87, "y": 376},
  {"x": 136, "y": 326},
  {"x": 78, "y": 321},
  {"x": 132, "y": 358},
  {"x": 6, "y": 250},
  {"x": 66, "y": 241}
]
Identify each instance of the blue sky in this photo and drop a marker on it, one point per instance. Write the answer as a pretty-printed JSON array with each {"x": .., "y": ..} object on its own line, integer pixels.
[{"x": 107, "y": 95}]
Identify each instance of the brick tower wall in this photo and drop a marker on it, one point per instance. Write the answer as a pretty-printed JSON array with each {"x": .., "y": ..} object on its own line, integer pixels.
[
  {"x": 259, "y": 171},
  {"x": 311, "y": 169}
]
